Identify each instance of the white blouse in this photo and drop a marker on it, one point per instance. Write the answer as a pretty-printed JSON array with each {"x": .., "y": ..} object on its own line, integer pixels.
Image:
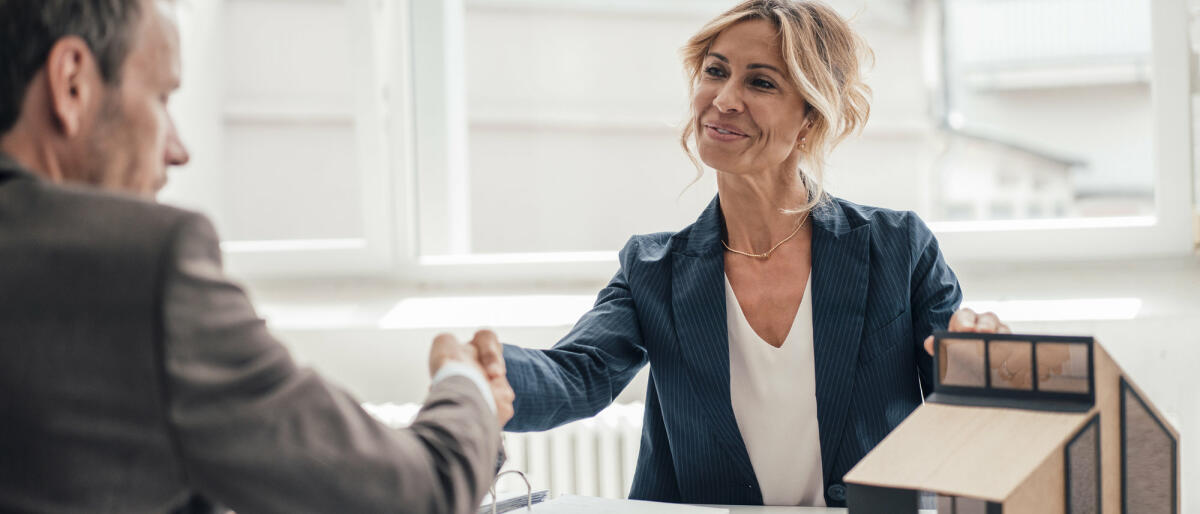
[{"x": 774, "y": 396}]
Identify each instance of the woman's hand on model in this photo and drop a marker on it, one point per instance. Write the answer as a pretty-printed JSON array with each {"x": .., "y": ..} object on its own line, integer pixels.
[{"x": 967, "y": 320}]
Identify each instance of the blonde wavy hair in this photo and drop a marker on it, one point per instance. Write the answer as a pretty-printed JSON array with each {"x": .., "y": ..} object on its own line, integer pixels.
[{"x": 823, "y": 55}]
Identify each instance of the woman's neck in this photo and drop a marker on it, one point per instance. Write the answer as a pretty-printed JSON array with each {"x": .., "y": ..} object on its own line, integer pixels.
[{"x": 753, "y": 208}]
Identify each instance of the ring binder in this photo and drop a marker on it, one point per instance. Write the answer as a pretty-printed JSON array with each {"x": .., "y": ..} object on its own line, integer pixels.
[
  {"x": 507, "y": 504},
  {"x": 528, "y": 489}
]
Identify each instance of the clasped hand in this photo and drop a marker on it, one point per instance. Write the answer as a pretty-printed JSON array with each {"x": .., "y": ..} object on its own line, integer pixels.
[{"x": 485, "y": 354}]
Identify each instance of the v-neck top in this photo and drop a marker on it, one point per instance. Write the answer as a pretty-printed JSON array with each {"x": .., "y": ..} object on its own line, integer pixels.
[{"x": 774, "y": 396}]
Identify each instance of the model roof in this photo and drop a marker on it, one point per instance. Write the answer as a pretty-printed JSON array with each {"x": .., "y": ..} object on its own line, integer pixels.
[{"x": 978, "y": 452}]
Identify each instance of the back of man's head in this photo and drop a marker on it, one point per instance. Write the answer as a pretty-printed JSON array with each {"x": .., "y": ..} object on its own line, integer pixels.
[
  {"x": 29, "y": 28},
  {"x": 83, "y": 89}
]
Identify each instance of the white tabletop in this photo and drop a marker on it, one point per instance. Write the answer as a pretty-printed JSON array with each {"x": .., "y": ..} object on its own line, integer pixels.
[
  {"x": 751, "y": 509},
  {"x": 579, "y": 504}
]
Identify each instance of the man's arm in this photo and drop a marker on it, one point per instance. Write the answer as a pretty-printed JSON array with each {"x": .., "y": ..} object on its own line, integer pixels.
[{"x": 259, "y": 434}]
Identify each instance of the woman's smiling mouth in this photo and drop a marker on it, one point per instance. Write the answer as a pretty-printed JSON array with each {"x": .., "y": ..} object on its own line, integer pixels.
[{"x": 723, "y": 132}]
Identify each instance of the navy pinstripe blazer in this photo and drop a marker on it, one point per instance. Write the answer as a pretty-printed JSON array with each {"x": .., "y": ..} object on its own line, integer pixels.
[{"x": 880, "y": 286}]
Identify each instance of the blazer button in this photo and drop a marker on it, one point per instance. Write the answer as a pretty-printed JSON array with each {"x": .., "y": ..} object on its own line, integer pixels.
[{"x": 837, "y": 492}]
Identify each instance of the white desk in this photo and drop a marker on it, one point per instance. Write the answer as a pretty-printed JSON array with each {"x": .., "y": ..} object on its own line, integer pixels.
[
  {"x": 750, "y": 509},
  {"x": 571, "y": 503},
  {"x": 747, "y": 509}
]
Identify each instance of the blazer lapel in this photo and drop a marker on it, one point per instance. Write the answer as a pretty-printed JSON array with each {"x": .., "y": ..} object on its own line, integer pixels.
[
  {"x": 698, "y": 305},
  {"x": 840, "y": 270}
]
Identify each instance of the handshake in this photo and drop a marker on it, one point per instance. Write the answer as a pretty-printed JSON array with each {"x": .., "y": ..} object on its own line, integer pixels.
[{"x": 485, "y": 354}]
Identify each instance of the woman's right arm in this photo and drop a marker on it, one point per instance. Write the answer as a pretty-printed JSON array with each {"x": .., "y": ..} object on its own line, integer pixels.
[{"x": 584, "y": 371}]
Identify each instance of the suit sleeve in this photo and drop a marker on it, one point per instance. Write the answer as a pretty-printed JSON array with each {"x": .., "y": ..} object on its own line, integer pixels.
[
  {"x": 260, "y": 434},
  {"x": 935, "y": 295},
  {"x": 584, "y": 371}
]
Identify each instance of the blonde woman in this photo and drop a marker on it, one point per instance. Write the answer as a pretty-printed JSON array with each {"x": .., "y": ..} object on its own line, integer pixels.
[{"x": 784, "y": 328}]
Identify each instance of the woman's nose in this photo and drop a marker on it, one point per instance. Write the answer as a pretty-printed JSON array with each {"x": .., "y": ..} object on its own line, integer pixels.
[{"x": 728, "y": 99}]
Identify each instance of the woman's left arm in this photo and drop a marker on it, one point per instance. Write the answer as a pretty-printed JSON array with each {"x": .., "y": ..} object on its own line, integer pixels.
[
  {"x": 934, "y": 294},
  {"x": 935, "y": 298}
]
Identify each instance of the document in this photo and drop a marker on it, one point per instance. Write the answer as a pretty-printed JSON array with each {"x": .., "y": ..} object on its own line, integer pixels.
[{"x": 589, "y": 505}]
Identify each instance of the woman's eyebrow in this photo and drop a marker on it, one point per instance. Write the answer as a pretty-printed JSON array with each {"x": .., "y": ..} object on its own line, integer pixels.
[{"x": 751, "y": 66}]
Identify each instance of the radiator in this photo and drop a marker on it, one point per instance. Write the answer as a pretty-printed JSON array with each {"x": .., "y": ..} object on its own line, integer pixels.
[{"x": 591, "y": 457}]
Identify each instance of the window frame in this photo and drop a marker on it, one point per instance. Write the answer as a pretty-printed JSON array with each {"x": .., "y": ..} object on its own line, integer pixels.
[
  {"x": 206, "y": 111},
  {"x": 1167, "y": 233}
]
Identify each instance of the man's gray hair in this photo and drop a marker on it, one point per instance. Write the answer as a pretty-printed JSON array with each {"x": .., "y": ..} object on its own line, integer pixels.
[{"x": 30, "y": 28}]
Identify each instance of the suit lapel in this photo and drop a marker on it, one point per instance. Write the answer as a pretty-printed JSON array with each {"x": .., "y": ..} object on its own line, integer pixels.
[
  {"x": 840, "y": 270},
  {"x": 698, "y": 305}
]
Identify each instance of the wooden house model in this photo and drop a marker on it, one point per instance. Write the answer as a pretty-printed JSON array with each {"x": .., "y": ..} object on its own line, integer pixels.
[{"x": 1024, "y": 424}]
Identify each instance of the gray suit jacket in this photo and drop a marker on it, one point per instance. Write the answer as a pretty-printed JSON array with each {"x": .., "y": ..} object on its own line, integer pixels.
[{"x": 135, "y": 377}]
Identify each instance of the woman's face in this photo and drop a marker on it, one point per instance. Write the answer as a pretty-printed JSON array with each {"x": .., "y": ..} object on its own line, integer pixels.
[{"x": 749, "y": 118}]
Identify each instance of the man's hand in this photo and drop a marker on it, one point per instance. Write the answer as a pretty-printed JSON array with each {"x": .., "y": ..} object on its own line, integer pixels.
[
  {"x": 446, "y": 348},
  {"x": 489, "y": 352},
  {"x": 490, "y": 355},
  {"x": 966, "y": 320}
]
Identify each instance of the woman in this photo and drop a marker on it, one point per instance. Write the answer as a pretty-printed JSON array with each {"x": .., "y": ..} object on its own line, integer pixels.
[{"x": 784, "y": 328}]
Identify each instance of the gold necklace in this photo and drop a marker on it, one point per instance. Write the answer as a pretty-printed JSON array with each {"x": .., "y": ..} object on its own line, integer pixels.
[{"x": 768, "y": 253}]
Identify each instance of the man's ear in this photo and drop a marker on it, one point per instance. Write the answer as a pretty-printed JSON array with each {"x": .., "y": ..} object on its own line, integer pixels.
[{"x": 73, "y": 79}]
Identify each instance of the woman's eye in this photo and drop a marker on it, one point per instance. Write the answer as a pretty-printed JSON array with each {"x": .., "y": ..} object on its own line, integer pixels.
[
  {"x": 764, "y": 84},
  {"x": 714, "y": 71}
]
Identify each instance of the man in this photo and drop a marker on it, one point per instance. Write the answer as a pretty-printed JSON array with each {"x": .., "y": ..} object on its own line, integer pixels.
[{"x": 134, "y": 376}]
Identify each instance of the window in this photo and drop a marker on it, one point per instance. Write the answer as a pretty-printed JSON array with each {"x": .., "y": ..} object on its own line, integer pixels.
[
  {"x": 1048, "y": 110},
  {"x": 563, "y": 139},
  {"x": 548, "y": 151},
  {"x": 961, "y": 363},
  {"x": 284, "y": 107},
  {"x": 1019, "y": 176},
  {"x": 1082, "y": 465},
  {"x": 505, "y": 140},
  {"x": 1015, "y": 360},
  {"x": 1024, "y": 371},
  {"x": 1062, "y": 367},
  {"x": 1148, "y": 458}
]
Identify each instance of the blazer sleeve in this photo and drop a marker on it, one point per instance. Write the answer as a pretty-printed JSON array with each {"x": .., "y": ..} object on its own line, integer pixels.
[
  {"x": 935, "y": 295},
  {"x": 583, "y": 372},
  {"x": 257, "y": 433}
]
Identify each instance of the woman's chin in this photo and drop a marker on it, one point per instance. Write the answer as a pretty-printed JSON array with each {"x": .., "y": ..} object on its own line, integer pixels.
[
  {"x": 724, "y": 166},
  {"x": 719, "y": 161}
]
